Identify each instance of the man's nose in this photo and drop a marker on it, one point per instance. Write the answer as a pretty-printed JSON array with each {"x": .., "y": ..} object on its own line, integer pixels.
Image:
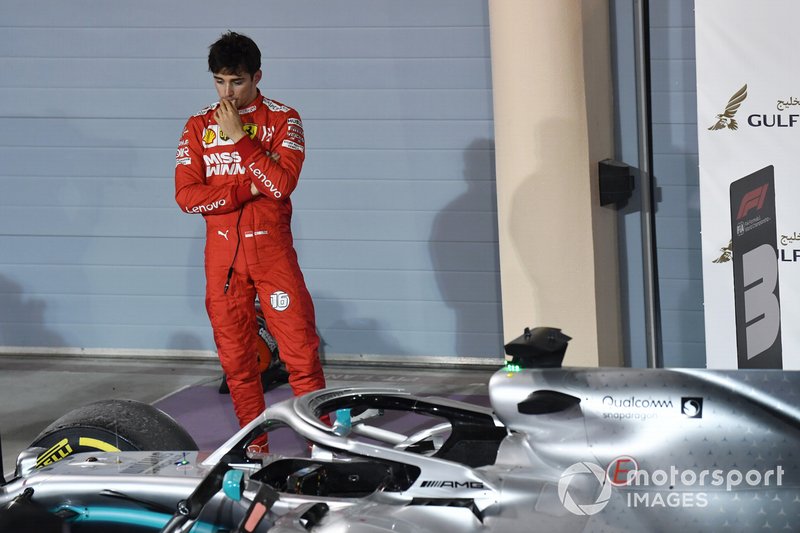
[{"x": 229, "y": 90}]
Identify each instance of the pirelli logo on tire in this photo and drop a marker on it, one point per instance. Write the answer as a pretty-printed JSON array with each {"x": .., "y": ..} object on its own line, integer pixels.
[
  {"x": 55, "y": 453},
  {"x": 64, "y": 447}
]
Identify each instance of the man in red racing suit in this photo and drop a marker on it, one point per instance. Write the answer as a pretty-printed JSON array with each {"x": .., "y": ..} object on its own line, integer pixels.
[{"x": 238, "y": 162}]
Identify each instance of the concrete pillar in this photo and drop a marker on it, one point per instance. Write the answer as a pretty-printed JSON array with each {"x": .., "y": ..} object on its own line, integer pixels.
[{"x": 553, "y": 122}]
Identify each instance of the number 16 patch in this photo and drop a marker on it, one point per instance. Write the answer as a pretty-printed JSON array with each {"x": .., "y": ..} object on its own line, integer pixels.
[{"x": 279, "y": 300}]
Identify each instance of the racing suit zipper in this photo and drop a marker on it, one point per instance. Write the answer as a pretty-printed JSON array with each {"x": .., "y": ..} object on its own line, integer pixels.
[{"x": 235, "y": 253}]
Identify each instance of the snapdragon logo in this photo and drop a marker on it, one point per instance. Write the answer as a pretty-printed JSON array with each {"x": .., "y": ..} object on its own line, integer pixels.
[{"x": 659, "y": 485}]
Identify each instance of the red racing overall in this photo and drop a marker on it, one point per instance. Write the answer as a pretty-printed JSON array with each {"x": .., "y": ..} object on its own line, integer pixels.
[{"x": 249, "y": 247}]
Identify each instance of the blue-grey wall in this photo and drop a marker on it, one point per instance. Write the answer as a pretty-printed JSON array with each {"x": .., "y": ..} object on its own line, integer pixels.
[
  {"x": 675, "y": 170},
  {"x": 395, "y": 217},
  {"x": 675, "y": 175},
  {"x": 395, "y": 214},
  {"x": 626, "y": 149}
]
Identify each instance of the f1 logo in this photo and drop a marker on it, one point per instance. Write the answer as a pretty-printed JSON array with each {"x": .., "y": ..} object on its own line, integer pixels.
[{"x": 752, "y": 200}]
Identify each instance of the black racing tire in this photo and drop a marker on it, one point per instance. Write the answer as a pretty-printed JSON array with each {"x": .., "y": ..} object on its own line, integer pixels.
[{"x": 108, "y": 426}]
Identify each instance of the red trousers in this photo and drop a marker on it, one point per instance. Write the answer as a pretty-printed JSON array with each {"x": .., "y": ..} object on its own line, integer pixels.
[{"x": 289, "y": 313}]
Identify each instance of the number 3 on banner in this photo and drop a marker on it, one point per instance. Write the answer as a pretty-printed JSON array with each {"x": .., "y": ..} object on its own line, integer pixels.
[{"x": 761, "y": 306}]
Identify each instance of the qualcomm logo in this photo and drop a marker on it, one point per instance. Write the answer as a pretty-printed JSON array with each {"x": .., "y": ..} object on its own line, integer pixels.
[{"x": 584, "y": 468}]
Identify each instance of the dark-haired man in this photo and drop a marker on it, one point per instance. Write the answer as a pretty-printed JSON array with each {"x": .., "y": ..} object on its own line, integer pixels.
[{"x": 237, "y": 164}]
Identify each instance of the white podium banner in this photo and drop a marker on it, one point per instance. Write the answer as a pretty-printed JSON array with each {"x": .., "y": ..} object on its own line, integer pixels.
[{"x": 748, "y": 123}]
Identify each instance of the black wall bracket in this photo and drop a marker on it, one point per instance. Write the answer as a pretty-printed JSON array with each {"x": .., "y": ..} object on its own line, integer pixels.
[{"x": 616, "y": 183}]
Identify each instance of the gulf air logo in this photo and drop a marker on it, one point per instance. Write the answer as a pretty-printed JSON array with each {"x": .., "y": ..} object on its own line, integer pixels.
[
  {"x": 725, "y": 119},
  {"x": 726, "y": 255},
  {"x": 752, "y": 200}
]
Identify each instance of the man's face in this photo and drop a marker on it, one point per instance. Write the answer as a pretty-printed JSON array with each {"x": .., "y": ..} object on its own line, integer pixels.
[{"x": 239, "y": 88}]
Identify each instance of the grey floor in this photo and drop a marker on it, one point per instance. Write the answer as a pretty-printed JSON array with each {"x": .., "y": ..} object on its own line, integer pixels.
[{"x": 34, "y": 391}]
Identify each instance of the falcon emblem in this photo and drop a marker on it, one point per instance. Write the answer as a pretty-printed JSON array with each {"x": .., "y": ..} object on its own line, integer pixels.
[
  {"x": 727, "y": 254},
  {"x": 726, "y": 120}
]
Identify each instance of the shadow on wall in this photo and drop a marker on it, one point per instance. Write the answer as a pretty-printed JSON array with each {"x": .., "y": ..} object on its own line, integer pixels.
[
  {"x": 368, "y": 331},
  {"x": 194, "y": 282},
  {"x": 472, "y": 322},
  {"x": 548, "y": 255},
  {"x": 81, "y": 220},
  {"x": 186, "y": 341},
  {"x": 22, "y": 319}
]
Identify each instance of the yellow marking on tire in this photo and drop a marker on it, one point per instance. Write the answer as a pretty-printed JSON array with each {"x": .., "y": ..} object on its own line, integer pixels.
[
  {"x": 99, "y": 444},
  {"x": 56, "y": 452}
]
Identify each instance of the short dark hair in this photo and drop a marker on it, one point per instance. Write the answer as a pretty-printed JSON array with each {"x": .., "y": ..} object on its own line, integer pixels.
[{"x": 234, "y": 53}]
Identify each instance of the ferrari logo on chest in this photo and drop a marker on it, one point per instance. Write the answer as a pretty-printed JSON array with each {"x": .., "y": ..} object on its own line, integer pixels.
[{"x": 251, "y": 130}]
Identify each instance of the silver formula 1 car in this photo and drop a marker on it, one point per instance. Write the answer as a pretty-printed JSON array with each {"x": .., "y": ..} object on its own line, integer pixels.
[{"x": 559, "y": 449}]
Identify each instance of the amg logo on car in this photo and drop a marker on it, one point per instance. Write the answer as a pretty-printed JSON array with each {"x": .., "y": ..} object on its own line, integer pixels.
[{"x": 453, "y": 484}]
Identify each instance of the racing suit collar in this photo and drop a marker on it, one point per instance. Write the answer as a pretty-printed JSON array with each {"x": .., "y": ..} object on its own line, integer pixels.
[{"x": 252, "y": 106}]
